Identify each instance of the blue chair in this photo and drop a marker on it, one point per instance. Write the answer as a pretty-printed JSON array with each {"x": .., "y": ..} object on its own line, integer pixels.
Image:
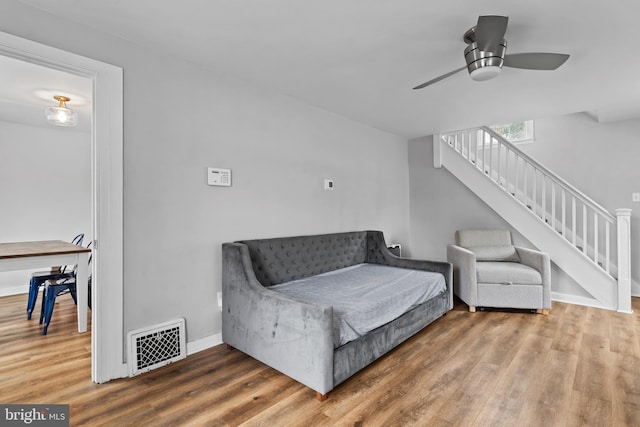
[
  {"x": 55, "y": 287},
  {"x": 40, "y": 277}
]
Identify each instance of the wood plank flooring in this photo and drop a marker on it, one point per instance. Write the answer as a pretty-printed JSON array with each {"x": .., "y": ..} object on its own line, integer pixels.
[{"x": 578, "y": 366}]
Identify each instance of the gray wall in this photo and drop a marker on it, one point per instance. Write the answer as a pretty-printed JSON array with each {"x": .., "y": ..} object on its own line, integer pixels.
[
  {"x": 440, "y": 205},
  {"x": 180, "y": 119},
  {"x": 45, "y": 188}
]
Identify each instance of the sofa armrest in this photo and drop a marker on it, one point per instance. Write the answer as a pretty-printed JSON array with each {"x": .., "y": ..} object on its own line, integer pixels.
[
  {"x": 464, "y": 273},
  {"x": 378, "y": 253},
  {"x": 444, "y": 268},
  {"x": 541, "y": 262},
  {"x": 291, "y": 336}
]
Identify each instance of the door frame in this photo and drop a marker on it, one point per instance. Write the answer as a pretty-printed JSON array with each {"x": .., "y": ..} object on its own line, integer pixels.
[{"x": 108, "y": 358}]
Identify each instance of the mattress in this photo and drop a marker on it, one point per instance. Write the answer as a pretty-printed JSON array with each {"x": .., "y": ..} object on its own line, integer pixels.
[{"x": 365, "y": 296}]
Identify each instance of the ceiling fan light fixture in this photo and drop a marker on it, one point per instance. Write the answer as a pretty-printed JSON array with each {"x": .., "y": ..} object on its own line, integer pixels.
[
  {"x": 61, "y": 115},
  {"x": 485, "y": 73}
]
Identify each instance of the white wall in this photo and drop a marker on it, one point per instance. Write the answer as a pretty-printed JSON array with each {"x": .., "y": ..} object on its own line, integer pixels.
[
  {"x": 45, "y": 188},
  {"x": 180, "y": 119}
]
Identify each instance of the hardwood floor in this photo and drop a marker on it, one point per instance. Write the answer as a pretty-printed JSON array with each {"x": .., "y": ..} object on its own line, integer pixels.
[{"x": 578, "y": 366}]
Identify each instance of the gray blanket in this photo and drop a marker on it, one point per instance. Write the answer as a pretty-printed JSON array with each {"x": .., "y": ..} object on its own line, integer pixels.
[{"x": 365, "y": 296}]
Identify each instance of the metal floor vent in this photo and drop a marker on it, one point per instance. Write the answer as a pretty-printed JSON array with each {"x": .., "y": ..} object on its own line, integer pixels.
[{"x": 156, "y": 346}]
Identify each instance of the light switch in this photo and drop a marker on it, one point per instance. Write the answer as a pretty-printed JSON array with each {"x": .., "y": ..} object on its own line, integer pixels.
[
  {"x": 220, "y": 177},
  {"x": 635, "y": 197}
]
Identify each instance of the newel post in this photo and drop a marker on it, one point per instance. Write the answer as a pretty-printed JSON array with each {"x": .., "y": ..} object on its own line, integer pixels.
[
  {"x": 624, "y": 260},
  {"x": 437, "y": 156}
]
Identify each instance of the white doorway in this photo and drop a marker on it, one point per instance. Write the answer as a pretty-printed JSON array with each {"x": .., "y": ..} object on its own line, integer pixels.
[
  {"x": 45, "y": 170},
  {"x": 108, "y": 359}
]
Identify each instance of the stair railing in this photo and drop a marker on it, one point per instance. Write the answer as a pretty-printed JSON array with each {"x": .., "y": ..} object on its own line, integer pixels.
[{"x": 564, "y": 208}]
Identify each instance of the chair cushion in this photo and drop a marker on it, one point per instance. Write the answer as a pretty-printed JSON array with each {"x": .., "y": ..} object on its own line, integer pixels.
[
  {"x": 507, "y": 273},
  {"x": 495, "y": 253}
]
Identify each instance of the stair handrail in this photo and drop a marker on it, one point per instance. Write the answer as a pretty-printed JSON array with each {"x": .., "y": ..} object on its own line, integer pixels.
[{"x": 583, "y": 197}]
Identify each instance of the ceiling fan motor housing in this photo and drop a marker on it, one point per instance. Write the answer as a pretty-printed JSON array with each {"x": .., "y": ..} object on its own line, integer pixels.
[{"x": 484, "y": 65}]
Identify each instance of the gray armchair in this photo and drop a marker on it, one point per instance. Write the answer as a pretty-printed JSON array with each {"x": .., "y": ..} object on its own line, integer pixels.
[{"x": 489, "y": 271}]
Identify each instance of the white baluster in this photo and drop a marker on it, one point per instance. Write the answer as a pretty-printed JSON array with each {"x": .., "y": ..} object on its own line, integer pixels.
[
  {"x": 499, "y": 162},
  {"x": 463, "y": 145},
  {"x": 553, "y": 205},
  {"x": 526, "y": 184},
  {"x": 607, "y": 249},
  {"x": 517, "y": 171},
  {"x": 506, "y": 170},
  {"x": 476, "y": 144},
  {"x": 544, "y": 198},
  {"x": 534, "y": 194},
  {"x": 491, "y": 157},
  {"x": 595, "y": 237},
  {"x": 480, "y": 164},
  {"x": 584, "y": 229},
  {"x": 564, "y": 213},
  {"x": 574, "y": 225}
]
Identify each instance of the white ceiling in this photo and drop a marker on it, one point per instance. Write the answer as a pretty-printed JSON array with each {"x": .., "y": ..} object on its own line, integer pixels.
[{"x": 360, "y": 58}]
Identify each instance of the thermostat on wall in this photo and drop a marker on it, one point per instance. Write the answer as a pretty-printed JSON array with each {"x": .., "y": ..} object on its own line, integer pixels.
[{"x": 217, "y": 176}]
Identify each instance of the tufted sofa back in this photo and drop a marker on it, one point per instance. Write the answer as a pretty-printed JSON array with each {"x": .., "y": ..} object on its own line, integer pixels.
[{"x": 284, "y": 259}]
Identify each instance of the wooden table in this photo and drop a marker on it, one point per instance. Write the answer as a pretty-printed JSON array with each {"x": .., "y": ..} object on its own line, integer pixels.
[{"x": 48, "y": 253}]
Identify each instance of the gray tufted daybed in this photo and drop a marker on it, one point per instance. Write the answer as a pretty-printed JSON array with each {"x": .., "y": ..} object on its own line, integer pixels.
[{"x": 320, "y": 308}]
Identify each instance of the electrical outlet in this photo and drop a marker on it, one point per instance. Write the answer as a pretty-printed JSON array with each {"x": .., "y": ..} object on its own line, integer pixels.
[
  {"x": 635, "y": 197},
  {"x": 220, "y": 302}
]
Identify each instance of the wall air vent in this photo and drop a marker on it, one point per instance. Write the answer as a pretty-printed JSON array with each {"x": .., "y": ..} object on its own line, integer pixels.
[{"x": 156, "y": 346}]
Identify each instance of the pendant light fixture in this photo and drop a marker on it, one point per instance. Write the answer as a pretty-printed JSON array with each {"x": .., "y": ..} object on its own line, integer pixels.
[{"x": 61, "y": 115}]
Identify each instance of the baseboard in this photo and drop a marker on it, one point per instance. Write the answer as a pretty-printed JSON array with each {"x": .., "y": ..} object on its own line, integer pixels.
[
  {"x": 14, "y": 290},
  {"x": 577, "y": 300},
  {"x": 635, "y": 288},
  {"x": 204, "y": 343}
]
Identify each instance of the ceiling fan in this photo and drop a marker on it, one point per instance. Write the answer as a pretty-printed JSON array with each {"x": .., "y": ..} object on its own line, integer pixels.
[{"x": 485, "y": 54}]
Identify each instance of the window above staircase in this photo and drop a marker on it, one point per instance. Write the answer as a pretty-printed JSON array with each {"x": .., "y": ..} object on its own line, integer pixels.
[{"x": 516, "y": 132}]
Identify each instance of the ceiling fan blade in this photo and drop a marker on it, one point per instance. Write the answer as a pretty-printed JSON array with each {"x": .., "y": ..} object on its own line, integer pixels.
[
  {"x": 535, "y": 60},
  {"x": 490, "y": 31},
  {"x": 437, "y": 79}
]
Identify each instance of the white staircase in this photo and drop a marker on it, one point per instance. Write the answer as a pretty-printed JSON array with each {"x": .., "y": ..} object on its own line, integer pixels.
[{"x": 586, "y": 241}]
